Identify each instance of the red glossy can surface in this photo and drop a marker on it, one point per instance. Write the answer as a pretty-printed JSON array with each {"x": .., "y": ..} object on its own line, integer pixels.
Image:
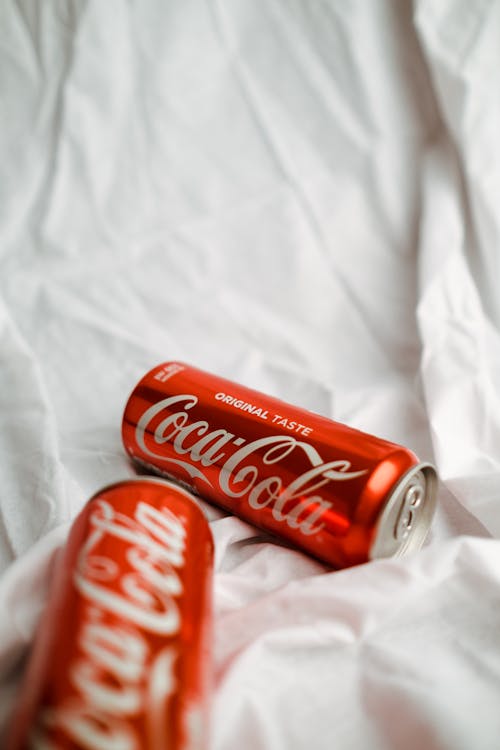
[
  {"x": 340, "y": 494},
  {"x": 121, "y": 659}
]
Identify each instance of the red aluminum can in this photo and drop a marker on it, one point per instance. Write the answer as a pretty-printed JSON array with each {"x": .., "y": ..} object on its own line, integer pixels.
[
  {"x": 342, "y": 495},
  {"x": 121, "y": 657}
]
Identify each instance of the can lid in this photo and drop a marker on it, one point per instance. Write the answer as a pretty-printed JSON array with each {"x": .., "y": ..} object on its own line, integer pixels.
[{"x": 407, "y": 514}]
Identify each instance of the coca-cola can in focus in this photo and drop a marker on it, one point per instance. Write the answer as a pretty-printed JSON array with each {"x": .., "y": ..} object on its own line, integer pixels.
[
  {"x": 121, "y": 658},
  {"x": 340, "y": 494}
]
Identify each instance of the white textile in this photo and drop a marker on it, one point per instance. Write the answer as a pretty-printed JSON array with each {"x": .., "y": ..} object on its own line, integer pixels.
[{"x": 303, "y": 196}]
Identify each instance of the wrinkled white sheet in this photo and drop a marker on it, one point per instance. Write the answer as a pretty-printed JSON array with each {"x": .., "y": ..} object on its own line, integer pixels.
[{"x": 302, "y": 196}]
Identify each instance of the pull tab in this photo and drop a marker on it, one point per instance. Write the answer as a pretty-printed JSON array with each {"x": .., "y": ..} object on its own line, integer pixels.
[{"x": 412, "y": 500}]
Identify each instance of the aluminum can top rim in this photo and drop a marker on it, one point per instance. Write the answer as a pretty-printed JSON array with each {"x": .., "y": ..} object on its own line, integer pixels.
[{"x": 407, "y": 515}]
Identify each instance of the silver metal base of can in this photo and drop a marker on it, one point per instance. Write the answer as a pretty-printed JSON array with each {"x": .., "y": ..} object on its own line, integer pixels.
[{"x": 407, "y": 515}]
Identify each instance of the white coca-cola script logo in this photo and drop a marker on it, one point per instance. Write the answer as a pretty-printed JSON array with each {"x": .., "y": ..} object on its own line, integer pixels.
[
  {"x": 238, "y": 476},
  {"x": 115, "y": 676}
]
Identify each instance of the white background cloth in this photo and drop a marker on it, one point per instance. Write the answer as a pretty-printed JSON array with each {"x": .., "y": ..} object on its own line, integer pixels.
[{"x": 301, "y": 195}]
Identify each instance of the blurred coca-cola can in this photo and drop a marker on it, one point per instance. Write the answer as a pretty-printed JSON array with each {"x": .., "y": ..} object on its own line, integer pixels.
[
  {"x": 337, "y": 493},
  {"x": 121, "y": 659}
]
